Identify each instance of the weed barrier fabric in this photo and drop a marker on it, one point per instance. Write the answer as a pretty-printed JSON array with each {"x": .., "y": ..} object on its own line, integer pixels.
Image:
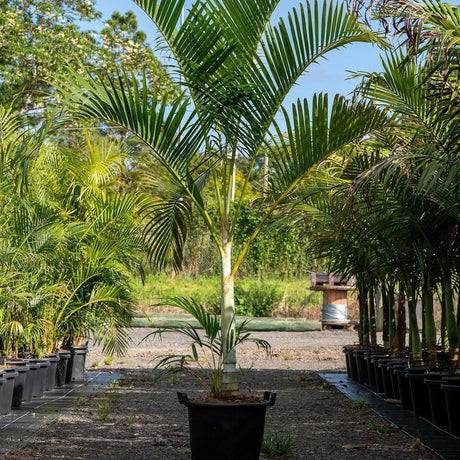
[
  {"x": 22, "y": 425},
  {"x": 443, "y": 444}
]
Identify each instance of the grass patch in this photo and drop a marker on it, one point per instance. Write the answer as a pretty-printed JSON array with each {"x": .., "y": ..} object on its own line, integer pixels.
[
  {"x": 103, "y": 410},
  {"x": 108, "y": 360},
  {"x": 377, "y": 426},
  {"x": 360, "y": 403},
  {"x": 278, "y": 444},
  {"x": 114, "y": 397},
  {"x": 174, "y": 379}
]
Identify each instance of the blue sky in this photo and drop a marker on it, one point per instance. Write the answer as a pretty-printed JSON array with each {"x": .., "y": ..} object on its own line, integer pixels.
[{"x": 328, "y": 76}]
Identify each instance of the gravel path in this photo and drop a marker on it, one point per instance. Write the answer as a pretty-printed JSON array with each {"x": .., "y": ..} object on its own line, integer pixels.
[
  {"x": 317, "y": 350},
  {"x": 141, "y": 419}
]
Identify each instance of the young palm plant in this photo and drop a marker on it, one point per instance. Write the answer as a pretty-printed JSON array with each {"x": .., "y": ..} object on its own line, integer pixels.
[
  {"x": 237, "y": 69},
  {"x": 209, "y": 351}
]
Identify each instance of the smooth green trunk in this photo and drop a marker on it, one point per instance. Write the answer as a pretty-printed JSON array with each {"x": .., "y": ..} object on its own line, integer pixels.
[
  {"x": 415, "y": 343},
  {"x": 386, "y": 316},
  {"x": 391, "y": 314},
  {"x": 430, "y": 326},
  {"x": 444, "y": 338},
  {"x": 458, "y": 310},
  {"x": 451, "y": 323},
  {"x": 372, "y": 322},
  {"x": 363, "y": 313},
  {"x": 399, "y": 341},
  {"x": 229, "y": 377}
]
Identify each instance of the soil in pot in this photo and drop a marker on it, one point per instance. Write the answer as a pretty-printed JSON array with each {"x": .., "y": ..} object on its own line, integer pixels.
[{"x": 226, "y": 431}]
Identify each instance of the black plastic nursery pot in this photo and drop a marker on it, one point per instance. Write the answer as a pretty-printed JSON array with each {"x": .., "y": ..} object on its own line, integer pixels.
[
  {"x": 437, "y": 400},
  {"x": 377, "y": 372},
  {"x": 386, "y": 369},
  {"x": 76, "y": 364},
  {"x": 368, "y": 357},
  {"x": 22, "y": 369},
  {"x": 226, "y": 431},
  {"x": 403, "y": 388},
  {"x": 393, "y": 378},
  {"x": 61, "y": 368},
  {"x": 9, "y": 374},
  {"x": 383, "y": 382},
  {"x": 351, "y": 363},
  {"x": 346, "y": 350},
  {"x": 452, "y": 394},
  {"x": 419, "y": 393},
  {"x": 51, "y": 371},
  {"x": 40, "y": 376},
  {"x": 32, "y": 376},
  {"x": 451, "y": 390},
  {"x": 361, "y": 366},
  {"x": 5, "y": 405}
]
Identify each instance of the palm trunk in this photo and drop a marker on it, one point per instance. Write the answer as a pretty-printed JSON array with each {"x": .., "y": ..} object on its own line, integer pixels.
[
  {"x": 452, "y": 328},
  {"x": 430, "y": 326},
  {"x": 386, "y": 316},
  {"x": 391, "y": 313},
  {"x": 229, "y": 378},
  {"x": 444, "y": 338},
  {"x": 372, "y": 320},
  {"x": 399, "y": 341},
  {"x": 416, "y": 344},
  {"x": 363, "y": 313}
]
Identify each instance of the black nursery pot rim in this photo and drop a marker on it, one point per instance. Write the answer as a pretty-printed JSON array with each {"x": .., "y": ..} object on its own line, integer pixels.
[
  {"x": 450, "y": 387},
  {"x": 269, "y": 400}
]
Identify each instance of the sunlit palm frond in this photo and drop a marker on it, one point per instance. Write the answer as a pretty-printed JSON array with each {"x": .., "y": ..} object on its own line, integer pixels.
[{"x": 315, "y": 134}]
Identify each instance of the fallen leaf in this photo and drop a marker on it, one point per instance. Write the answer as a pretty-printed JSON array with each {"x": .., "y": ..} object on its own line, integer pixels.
[{"x": 355, "y": 446}]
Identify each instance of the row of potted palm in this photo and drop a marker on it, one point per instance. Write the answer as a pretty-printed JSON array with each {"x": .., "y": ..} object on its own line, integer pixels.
[
  {"x": 68, "y": 243},
  {"x": 393, "y": 221},
  {"x": 24, "y": 379}
]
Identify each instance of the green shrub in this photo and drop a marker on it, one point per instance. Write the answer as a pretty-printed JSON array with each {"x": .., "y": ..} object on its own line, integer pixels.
[
  {"x": 257, "y": 298},
  {"x": 253, "y": 296}
]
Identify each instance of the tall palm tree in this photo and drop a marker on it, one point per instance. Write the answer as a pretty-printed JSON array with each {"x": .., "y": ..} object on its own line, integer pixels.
[{"x": 237, "y": 69}]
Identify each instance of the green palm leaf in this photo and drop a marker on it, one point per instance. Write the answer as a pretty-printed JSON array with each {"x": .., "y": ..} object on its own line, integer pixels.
[{"x": 314, "y": 134}]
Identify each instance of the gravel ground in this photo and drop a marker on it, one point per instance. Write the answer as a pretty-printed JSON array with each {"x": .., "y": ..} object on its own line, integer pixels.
[
  {"x": 141, "y": 419},
  {"x": 316, "y": 350}
]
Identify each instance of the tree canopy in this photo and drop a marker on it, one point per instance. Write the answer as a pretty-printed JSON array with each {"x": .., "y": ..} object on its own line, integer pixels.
[{"x": 41, "y": 40}]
